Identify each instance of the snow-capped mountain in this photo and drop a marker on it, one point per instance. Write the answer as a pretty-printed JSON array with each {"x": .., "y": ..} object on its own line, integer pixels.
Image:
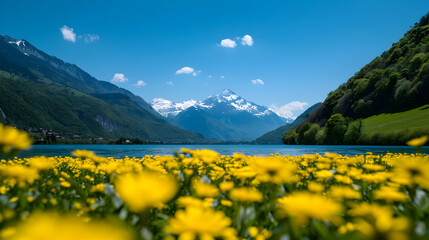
[
  {"x": 171, "y": 109},
  {"x": 224, "y": 116}
]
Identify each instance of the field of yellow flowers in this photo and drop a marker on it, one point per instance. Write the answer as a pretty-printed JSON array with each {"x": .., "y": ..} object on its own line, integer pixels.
[{"x": 202, "y": 195}]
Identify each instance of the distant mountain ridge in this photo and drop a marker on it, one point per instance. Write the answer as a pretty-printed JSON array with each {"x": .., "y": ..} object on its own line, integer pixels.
[
  {"x": 64, "y": 73},
  {"x": 168, "y": 108},
  {"x": 224, "y": 116},
  {"x": 275, "y": 136},
  {"x": 38, "y": 90}
]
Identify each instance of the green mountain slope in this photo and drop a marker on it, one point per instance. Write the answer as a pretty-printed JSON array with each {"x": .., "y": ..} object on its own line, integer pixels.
[
  {"x": 397, "y": 80},
  {"x": 41, "y": 91},
  {"x": 275, "y": 136},
  {"x": 394, "y": 128},
  {"x": 27, "y": 103}
]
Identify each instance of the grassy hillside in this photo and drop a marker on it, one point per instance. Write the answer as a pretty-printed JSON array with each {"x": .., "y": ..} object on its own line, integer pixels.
[
  {"x": 382, "y": 129},
  {"x": 414, "y": 119}
]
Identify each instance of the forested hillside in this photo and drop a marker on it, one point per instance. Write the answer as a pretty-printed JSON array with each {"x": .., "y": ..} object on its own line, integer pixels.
[{"x": 394, "y": 82}]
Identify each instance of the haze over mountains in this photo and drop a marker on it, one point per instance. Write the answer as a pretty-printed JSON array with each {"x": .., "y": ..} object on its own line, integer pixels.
[
  {"x": 223, "y": 116},
  {"x": 42, "y": 91}
]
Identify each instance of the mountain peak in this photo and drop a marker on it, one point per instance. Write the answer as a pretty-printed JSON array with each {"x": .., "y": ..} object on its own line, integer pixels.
[
  {"x": 227, "y": 91},
  {"x": 12, "y": 40},
  {"x": 227, "y": 99}
]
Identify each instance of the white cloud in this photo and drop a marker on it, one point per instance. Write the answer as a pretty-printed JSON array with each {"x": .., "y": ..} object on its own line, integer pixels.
[
  {"x": 118, "y": 78},
  {"x": 289, "y": 110},
  {"x": 91, "y": 37},
  {"x": 228, "y": 43},
  {"x": 185, "y": 70},
  {"x": 68, "y": 34},
  {"x": 247, "y": 40},
  {"x": 209, "y": 76},
  {"x": 170, "y": 83},
  {"x": 140, "y": 83},
  {"x": 194, "y": 74},
  {"x": 222, "y": 76},
  {"x": 258, "y": 82}
]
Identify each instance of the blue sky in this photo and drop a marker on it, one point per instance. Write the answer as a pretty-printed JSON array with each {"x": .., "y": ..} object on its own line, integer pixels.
[{"x": 301, "y": 50}]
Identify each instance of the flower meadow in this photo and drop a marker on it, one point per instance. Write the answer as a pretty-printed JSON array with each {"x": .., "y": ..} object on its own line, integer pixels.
[{"x": 199, "y": 194}]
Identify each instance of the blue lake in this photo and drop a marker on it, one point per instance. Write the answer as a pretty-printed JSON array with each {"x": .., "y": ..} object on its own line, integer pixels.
[{"x": 119, "y": 151}]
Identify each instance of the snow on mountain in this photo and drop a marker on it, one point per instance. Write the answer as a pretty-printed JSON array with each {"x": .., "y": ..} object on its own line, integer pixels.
[
  {"x": 170, "y": 109},
  {"x": 17, "y": 42}
]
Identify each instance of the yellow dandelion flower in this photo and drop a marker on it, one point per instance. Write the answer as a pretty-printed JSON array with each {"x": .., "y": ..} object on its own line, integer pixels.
[
  {"x": 342, "y": 192},
  {"x": 304, "y": 206},
  {"x": 373, "y": 167},
  {"x": 205, "y": 189},
  {"x": 98, "y": 188},
  {"x": 65, "y": 184},
  {"x": 49, "y": 226},
  {"x": 273, "y": 170},
  {"x": 145, "y": 190},
  {"x": 205, "y": 155},
  {"x": 188, "y": 201},
  {"x": 226, "y": 186},
  {"x": 246, "y": 195},
  {"x": 323, "y": 174},
  {"x": 12, "y": 138},
  {"x": 19, "y": 174},
  {"x": 390, "y": 194},
  {"x": 253, "y": 231},
  {"x": 315, "y": 187},
  {"x": 204, "y": 223},
  {"x": 418, "y": 142},
  {"x": 83, "y": 154},
  {"x": 226, "y": 203},
  {"x": 42, "y": 163}
]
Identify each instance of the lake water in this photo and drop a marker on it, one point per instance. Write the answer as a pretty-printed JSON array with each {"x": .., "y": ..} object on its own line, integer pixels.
[{"x": 120, "y": 151}]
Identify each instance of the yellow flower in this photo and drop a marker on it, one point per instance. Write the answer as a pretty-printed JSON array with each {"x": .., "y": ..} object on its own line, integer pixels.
[
  {"x": 83, "y": 154},
  {"x": 373, "y": 167},
  {"x": 331, "y": 155},
  {"x": 188, "y": 201},
  {"x": 253, "y": 231},
  {"x": 273, "y": 170},
  {"x": 42, "y": 163},
  {"x": 98, "y": 188},
  {"x": 373, "y": 219},
  {"x": 19, "y": 174},
  {"x": 246, "y": 195},
  {"x": 145, "y": 190},
  {"x": 204, "y": 223},
  {"x": 348, "y": 227},
  {"x": 418, "y": 142},
  {"x": 304, "y": 206},
  {"x": 323, "y": 174},
  {"x": 65, "y": 184},
  {"x": 226, "y": 203},
  {"x": 390, "y": 194},
  {"x": 12, "y": 138},
  {"x": 342, "y": 192},
  {"x": 205, "y": 189},
  {"x": 226, "y": 186},
  {"x": 205, "y": 155},
  {"x": 49, "y": 226},
  {"x": 315, "y": 187}
]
